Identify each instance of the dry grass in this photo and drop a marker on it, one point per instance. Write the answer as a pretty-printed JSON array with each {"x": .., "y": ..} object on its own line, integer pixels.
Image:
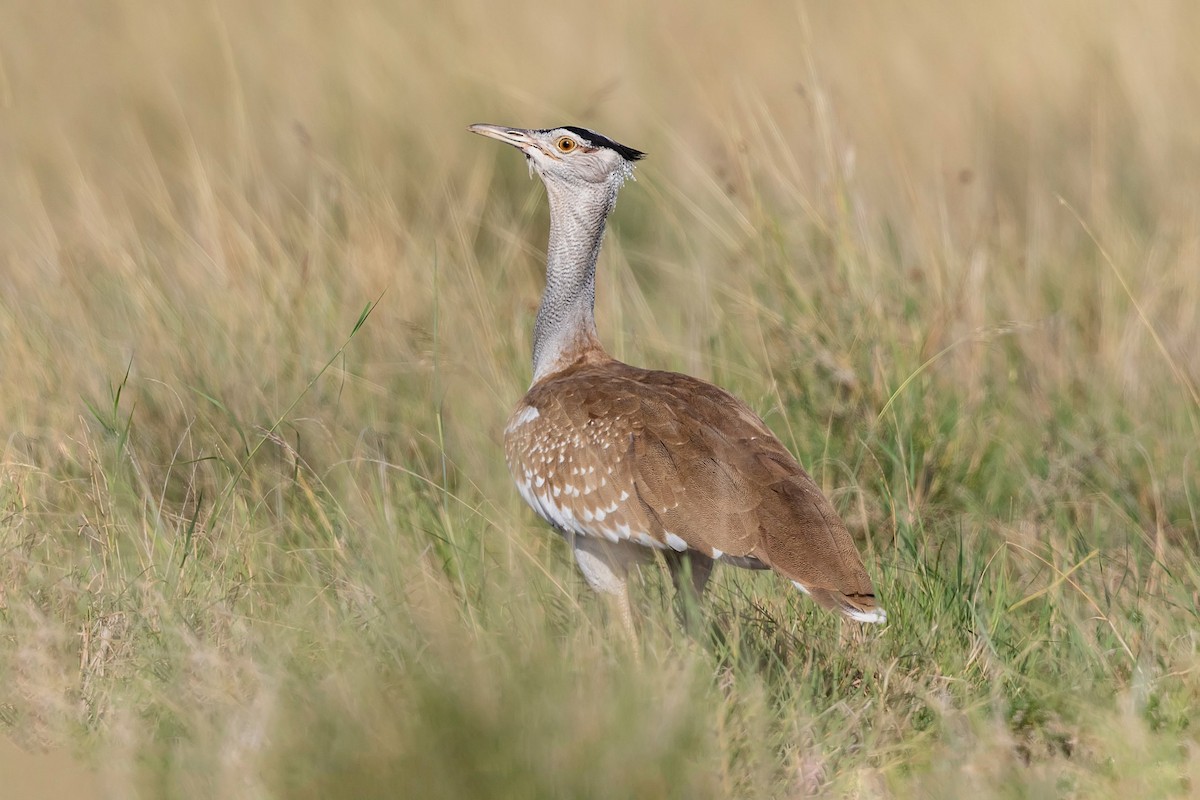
[{"x": 255, "y": 545}]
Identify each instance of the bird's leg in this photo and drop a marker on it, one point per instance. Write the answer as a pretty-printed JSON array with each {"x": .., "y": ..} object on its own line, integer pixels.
[
  {"x": 625, "y": 612},
  {"x": 605, "y": 566},
  {"x": 690, "y": 572}
]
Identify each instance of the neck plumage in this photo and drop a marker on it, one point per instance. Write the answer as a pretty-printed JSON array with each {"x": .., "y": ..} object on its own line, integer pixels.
[{"x": 566, "y": 326}]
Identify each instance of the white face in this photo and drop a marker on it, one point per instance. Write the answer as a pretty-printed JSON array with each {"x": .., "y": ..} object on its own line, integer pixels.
[{"x": 564, "y": 156}]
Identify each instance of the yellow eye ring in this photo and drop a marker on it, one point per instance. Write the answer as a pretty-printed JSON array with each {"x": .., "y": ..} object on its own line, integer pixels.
[{"x": 565, "y": 144}]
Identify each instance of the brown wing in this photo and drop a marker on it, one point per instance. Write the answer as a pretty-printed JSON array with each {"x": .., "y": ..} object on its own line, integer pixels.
[
  {"x": 747, "y": 495},
  {"x": 672, "y": 461}
]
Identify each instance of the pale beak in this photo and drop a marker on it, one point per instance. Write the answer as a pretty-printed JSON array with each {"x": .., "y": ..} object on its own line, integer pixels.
[{"x": 515, "y": 136}]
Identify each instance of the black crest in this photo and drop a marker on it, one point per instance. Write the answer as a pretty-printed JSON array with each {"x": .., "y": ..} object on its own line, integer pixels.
[{"x": 600, "y": 140}]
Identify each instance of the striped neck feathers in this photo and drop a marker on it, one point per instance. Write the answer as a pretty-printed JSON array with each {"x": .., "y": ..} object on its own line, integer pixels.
[{"x": 565, "y": 330}]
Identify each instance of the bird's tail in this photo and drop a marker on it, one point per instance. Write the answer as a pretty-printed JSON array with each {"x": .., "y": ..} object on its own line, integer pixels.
[{"x": 858, "y": 607}]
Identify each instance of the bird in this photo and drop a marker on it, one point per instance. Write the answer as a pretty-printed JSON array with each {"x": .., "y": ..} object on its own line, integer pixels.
[{"x": 624, "y": 461}]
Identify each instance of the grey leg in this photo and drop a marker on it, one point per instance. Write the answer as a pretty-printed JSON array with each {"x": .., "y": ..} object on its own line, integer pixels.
[
  {"x": 690, "y": 572},
  {"x": 605, "y": 566}
]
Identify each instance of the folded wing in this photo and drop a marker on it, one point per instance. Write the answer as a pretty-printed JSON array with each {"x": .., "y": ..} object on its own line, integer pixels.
[{"x": 670, "y": 461}]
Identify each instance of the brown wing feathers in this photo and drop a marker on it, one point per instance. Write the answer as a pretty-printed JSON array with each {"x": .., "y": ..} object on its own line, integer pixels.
[
  {"x": 670, "y": 461},
  {"x": 752, "y": 498}
]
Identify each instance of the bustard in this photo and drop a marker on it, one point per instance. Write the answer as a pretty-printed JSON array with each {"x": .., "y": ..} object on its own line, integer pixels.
[{"x": 623, "y": 461}]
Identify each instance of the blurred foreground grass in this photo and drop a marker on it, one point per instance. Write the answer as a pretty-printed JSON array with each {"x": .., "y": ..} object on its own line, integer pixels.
[{"x": 248, "y": 549}]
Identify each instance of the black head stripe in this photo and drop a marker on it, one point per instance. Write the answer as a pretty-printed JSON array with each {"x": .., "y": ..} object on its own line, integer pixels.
[{"x": 600, "y": 140}]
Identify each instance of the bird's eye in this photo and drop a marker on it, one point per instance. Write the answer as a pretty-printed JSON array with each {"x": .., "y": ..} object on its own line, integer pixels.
[{"x": 565, "y": 144}]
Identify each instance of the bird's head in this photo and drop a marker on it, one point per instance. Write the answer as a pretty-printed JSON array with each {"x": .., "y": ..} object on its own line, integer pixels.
[{"x": 569, "y": 157}]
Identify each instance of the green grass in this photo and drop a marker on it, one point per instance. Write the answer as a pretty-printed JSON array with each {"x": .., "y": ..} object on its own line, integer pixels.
[{"x": 265, "y": 305}]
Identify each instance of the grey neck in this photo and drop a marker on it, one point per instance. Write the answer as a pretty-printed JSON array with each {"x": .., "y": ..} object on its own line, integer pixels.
[{"x": 566, "y": 324}]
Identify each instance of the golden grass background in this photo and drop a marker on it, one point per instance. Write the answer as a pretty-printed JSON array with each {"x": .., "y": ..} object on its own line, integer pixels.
[{"x": 250, "y": 547}]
